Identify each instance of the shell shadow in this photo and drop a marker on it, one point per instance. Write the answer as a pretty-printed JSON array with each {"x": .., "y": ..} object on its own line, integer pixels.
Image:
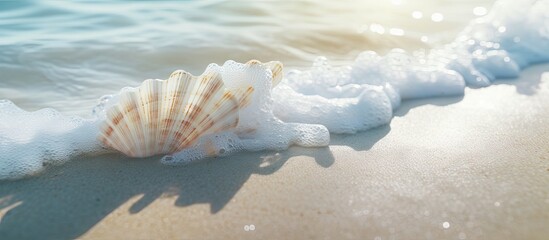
[{"x": 66, "y": 201}]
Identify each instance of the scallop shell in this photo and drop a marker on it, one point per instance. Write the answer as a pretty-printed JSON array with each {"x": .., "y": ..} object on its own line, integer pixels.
[{"x": 166, "y": 116}]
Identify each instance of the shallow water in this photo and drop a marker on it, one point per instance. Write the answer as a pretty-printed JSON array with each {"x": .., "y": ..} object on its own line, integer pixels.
[{"x": 65, "y": 55}]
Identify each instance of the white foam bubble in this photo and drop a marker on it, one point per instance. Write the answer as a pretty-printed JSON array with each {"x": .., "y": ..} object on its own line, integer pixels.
[
  {"x": 513, "y": 35},
  {"x": 363, "y": 95},
  {"x": 31, "y": 140}
]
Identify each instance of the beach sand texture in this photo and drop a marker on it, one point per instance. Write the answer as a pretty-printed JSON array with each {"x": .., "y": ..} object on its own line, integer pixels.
[{"x": 471, "y": 167}]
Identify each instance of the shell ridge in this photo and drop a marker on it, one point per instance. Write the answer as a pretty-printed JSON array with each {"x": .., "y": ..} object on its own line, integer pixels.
[
  {"x": 119, "y": 127},
  {"x": 136, "y": 120},
  {"x": 230, "y": 113},
  {"x": 180, "y": 86},
  {"x": 172, "y": 99},
  {"x": 193, "y": 111},
  {"x": 152, "y": 115},
  {"x": 125, "y": 130}
]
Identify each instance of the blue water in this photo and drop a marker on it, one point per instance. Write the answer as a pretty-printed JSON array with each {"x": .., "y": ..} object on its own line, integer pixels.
[{"x": 66, "y": 54}]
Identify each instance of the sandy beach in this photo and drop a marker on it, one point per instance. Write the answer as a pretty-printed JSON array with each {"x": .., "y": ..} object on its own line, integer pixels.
[{"x": 471, "y": 167}]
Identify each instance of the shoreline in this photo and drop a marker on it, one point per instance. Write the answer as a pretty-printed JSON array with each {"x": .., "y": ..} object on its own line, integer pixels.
[{"x": 475, "y": 166}]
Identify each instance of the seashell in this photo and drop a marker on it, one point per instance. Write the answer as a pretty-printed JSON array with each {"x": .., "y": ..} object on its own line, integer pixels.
[{"x": 166, "y": 116}]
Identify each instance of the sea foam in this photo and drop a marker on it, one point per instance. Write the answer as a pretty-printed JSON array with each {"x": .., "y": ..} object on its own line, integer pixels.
[
  {"x": 307, "y": 104},
  {"x": 31, "y": 140},
  {"x": 355, "y": 97}
]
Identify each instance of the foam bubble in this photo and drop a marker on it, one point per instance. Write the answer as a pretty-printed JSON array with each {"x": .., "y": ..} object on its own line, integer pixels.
[
  {"x": 31, "y": 140},
  {"x": 363, "y": 95},
  {"x": 371, "y": 108},
  {"x": 513, "y": 35}
]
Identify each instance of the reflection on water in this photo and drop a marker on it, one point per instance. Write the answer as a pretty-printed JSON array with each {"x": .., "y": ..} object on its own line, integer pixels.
[{"x": 66, "y": 54}]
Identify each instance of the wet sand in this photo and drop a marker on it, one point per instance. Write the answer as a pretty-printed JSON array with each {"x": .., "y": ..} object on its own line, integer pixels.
[{"x": 472, "y": 167}]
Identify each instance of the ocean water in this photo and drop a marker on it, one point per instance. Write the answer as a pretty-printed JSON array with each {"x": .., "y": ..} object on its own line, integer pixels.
[
  {"x": 67, "y": 54},
  {"x": 348, "y": 65}
]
